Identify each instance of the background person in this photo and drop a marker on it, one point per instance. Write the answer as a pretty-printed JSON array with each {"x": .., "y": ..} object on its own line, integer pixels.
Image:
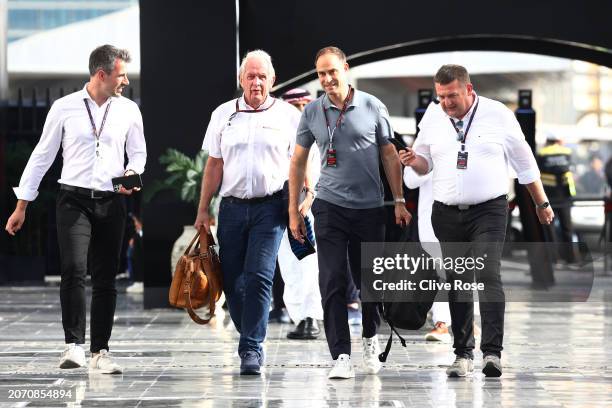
[
  {"x": 440, "y": 312},
  {"x": 302, "y": 297},
  {"x": 555, "y": 161}
]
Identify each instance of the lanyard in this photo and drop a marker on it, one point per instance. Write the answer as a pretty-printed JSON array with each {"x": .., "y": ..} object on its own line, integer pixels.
[
  {"x": 93, "y": 124},
  {"x": 238, "y": 110},
  {"x": 467, "y": 129},
  {"x": 344, "y": 108}
]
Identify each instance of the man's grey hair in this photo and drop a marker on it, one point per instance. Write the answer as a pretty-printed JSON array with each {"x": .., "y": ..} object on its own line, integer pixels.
[
  {"x": 262, "y": 55},
  {"x": 103, "y": 58},
  {"x": 450, "y": 72}
]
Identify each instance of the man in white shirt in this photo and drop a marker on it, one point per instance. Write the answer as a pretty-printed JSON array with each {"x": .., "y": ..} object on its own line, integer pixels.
[
  {"x": 250, "y": 141},
  {"x": 95, "y": 127},
  {"x": 469, "y": 141}
]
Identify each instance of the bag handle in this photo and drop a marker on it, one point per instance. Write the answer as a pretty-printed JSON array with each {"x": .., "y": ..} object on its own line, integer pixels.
[
  {"x": 188, "y": 249},
  {"x": 205, "y": 241}
]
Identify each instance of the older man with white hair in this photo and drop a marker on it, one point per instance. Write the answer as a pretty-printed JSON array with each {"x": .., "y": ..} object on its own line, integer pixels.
[{"x": 250, "y": 141}]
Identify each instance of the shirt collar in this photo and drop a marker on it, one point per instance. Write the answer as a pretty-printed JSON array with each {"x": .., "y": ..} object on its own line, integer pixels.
[
  {"x": 355, "y": 101},
  {"x": 242, "y": 105},
  {"x": 469, "y": 112},
  {"x": 86, "y": 95}
]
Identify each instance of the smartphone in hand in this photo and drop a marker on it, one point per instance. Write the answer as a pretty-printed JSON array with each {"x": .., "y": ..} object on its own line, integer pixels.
[{"x": 128, "y": 182}]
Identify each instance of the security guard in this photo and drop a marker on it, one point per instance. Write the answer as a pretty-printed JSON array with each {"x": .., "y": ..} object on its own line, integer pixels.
[{"x": 554, "y": 161}]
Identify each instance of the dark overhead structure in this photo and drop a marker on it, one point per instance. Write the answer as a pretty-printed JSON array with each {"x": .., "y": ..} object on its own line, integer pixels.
[{"x": 189, "y": 55}]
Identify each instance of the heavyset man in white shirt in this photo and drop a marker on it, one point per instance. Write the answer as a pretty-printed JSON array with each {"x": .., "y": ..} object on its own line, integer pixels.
[
  {"x": 250, "y": 141},
  {"x": 469, "y": 141},
  {"x": 95, "y": 127}
]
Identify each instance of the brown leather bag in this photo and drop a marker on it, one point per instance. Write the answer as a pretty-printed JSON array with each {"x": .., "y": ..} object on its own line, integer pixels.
[{"x": 197, "y": 280}]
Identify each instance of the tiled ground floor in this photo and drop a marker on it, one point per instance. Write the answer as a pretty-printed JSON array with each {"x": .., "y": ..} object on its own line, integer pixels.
[{"x": 556, "y": 355}]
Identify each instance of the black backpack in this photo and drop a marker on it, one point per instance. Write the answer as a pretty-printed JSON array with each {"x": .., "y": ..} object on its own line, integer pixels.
[{"x": 408, "y": 315}]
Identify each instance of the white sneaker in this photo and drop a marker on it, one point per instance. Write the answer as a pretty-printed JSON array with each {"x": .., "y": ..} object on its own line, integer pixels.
[
  {"x": 73, "y": 356},
  {"x": 102, "y": 363},
  {"x": 342, "y": 368},
  {"x": 371, "y": 350},
  {"x": 136, "y": 287}
]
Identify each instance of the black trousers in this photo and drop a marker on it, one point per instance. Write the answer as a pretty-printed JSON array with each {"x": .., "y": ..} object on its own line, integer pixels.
[
  {"x": 90, "y": 233},
  {"x": 339, "y": 231},
  {"x": 565, "y": 247},
  {"x": 485, "y": 224}
]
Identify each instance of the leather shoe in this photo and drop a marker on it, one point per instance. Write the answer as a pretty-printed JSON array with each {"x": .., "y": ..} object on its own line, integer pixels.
[{"x": 307, "y": 329}]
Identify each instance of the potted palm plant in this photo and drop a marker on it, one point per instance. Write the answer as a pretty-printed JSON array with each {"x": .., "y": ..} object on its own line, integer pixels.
[{"x": 185, "y": 178}]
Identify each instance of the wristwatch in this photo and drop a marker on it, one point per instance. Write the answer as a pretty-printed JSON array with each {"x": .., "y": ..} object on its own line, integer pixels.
[
  {"x": 543, "y": 206},
  {"x": 400, "y": 200}
]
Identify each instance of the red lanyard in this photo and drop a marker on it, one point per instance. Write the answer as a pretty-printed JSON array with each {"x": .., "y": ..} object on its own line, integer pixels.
[
  {"x": 93, "y": 124},
  {"x": 238, "y": 110},
  {"x": 344, "y": 108}
]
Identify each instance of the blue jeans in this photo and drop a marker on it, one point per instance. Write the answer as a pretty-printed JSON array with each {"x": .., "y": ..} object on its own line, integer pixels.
[{"x": 249, "y": 237}]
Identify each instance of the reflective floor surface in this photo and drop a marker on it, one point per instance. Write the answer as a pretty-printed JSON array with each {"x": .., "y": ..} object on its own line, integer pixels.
[{"x": 556, "y": 355}]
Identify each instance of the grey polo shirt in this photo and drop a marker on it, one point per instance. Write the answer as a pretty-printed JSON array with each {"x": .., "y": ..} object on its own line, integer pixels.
[{"x": 355, "y": 182}]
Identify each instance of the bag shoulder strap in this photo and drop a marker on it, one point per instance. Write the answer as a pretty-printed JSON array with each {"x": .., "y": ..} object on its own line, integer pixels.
[
  {"x": 382, "y": 357},
  {"x": 187, "y": 293}
]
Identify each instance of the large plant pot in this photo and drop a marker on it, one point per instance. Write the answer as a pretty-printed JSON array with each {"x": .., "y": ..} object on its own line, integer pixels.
[{"x": 180, "y": 245}]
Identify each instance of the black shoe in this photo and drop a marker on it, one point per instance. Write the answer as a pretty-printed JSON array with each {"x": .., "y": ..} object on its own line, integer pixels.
[
  {"x": 307, "y": 329},
  {"x": 279, "y": 316}
]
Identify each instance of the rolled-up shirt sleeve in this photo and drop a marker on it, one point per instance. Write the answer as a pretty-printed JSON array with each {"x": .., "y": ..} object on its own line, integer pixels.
[
  {"x": 212, "y": 138},
  {"x": 518, "y": 151},
  {"x": 42, "y": 157},
  {"x": 135, "y": 146}
]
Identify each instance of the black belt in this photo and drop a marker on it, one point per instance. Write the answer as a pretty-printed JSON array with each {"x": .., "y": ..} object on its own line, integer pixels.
[
  {"x": 463, "y": 207},
  {"x": 87, "y": 192},
  {"x": 254, "y": 200}
]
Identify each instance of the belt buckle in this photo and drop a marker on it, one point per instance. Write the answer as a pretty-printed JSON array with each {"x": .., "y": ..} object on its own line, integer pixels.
[
  {"x": 93, "y": 195},
  {"x": 463, "y": 207}
]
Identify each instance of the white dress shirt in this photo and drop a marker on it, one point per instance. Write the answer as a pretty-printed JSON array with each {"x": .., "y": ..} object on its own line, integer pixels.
[
  {"x": 494, "y": 142},
  {"x": 255, "y": 147},
  {"x": 68, "y": 125}
]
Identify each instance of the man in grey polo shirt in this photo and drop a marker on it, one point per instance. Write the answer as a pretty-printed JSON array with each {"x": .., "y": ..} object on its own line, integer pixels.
[{"x": 351, "y": 129}]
